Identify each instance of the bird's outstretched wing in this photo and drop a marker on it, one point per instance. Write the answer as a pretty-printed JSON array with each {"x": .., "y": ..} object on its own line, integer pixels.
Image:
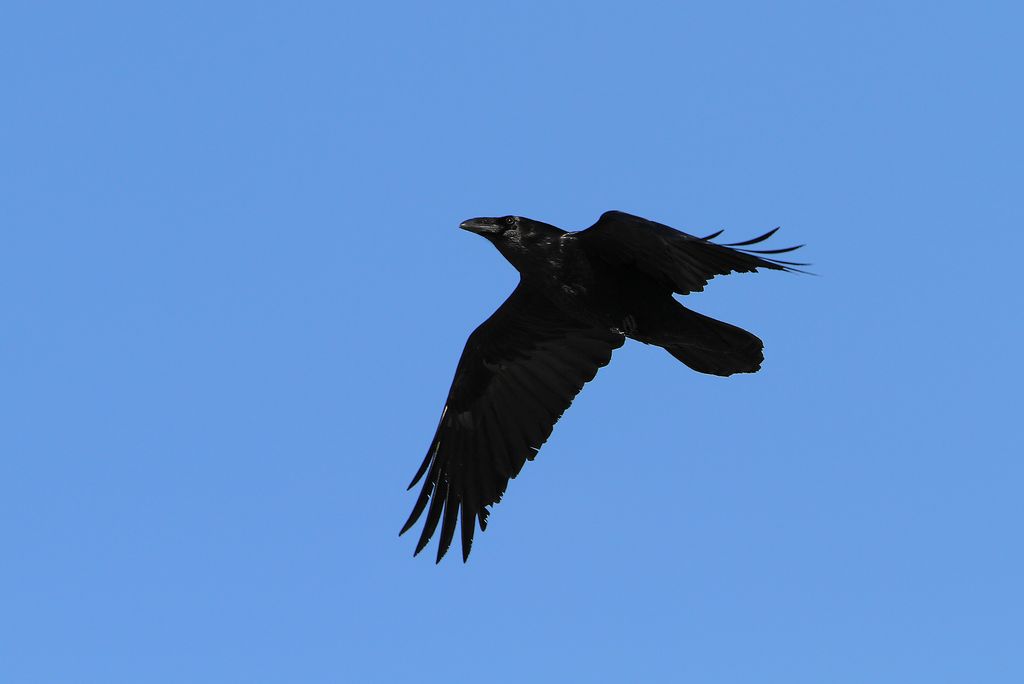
[
  {"x": 681, "y": 262},
  {"x": 519, "y": 372}
]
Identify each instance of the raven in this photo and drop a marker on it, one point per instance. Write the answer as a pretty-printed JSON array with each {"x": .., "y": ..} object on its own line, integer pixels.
[{"x": 580, "y": 295}]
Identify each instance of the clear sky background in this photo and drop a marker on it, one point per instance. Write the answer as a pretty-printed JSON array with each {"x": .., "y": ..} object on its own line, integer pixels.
[{"x": 233, "y": 294}]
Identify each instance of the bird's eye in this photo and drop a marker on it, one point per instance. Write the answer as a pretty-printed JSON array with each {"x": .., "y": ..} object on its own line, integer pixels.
[{"x": 510, "y": 220}]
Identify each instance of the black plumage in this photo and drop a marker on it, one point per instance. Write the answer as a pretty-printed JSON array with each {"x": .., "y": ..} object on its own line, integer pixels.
[{"x": 580, "y": 295}]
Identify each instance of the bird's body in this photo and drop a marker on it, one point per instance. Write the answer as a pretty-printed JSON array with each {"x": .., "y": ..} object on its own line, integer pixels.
[{"x": 580, "y": 295}]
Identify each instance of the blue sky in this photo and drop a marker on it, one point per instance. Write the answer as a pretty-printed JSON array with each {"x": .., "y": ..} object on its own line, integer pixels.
[{"x": 233, "y": 294}]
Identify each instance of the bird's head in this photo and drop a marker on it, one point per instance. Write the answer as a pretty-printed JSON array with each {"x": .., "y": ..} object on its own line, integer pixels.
[{"x": 515, "y": 237}]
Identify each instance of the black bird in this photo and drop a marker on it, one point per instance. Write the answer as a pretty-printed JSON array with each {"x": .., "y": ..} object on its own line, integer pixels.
[{"x": 580, "y": 295}]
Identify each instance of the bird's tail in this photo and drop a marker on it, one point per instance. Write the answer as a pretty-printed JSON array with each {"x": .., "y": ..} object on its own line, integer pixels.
[{"x": 710, "y": 346}]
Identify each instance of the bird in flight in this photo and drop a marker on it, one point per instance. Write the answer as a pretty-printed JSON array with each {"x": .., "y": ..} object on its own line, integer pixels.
[{"x": 580, "y": 295}]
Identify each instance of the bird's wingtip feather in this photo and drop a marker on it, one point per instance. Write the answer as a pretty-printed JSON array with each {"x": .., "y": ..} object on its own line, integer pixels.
[{"x": 751, "y": 241}]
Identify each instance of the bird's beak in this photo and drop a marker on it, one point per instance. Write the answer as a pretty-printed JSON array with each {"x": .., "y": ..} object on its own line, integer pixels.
[{"x": 481, "y": 226}]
